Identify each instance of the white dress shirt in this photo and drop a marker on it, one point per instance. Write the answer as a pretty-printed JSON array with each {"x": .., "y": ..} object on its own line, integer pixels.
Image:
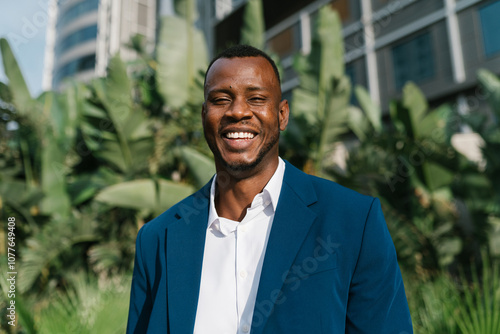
[{"x": 232, "y": 262}]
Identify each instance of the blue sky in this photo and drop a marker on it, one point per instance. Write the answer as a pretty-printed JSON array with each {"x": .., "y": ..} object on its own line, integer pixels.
[{"x": 23, "y": 23}]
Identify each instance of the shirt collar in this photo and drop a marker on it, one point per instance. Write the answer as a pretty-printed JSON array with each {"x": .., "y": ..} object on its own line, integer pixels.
[
  {"x": 272, "y": 189},
  {"x": 271, "y": 192}
]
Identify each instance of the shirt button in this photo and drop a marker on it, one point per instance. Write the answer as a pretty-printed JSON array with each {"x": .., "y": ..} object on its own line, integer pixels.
[
  {"x": 267, "y": 203},
  {"x": 243, "y": 228},
  {"x": 245, "y": 328},
  {"x": 243, "y": 274}
]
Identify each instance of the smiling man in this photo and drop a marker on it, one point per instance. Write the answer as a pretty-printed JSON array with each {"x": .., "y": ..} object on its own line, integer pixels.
[{"x": 263, "y": 247}]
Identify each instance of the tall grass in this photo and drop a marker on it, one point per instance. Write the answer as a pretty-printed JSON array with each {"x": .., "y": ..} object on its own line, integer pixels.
[{"x": 457, "y": 305}]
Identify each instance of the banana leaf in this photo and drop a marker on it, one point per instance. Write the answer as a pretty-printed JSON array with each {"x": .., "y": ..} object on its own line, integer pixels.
[{"x": 144, "y": 194}]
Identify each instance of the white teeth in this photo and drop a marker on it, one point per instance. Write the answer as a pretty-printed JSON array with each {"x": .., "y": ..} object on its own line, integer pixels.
[{"x": 240, "y": 135}]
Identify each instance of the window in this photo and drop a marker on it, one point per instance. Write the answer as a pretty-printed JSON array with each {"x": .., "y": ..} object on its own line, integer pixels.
[
  {"x": 413, "y": 60},
  {"x": 75, "y": 11},
  {"x": 77, "y": 37},
  {"x": 342, "y": 8},
  {"x": 350, "y": 72},
  {"x": 490, "y": 24},
  {"x": 286, "y": 42},
  {"x": 74, "y": 67}
]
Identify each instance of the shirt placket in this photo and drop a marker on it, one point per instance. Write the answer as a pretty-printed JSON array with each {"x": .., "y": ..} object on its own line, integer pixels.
[
  {"x": 244, "y": 270},
  {"x": 241, "y": 274}
]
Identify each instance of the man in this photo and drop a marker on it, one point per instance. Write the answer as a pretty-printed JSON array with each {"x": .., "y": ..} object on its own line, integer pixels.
[{"x": 263, "y": 247}]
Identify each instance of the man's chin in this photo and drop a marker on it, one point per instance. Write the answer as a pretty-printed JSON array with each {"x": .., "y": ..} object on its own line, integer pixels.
[{"x": 239, "y": 166}]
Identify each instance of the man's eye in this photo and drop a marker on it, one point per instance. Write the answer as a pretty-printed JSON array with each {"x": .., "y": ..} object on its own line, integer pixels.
[
  {"x": 220, "y": 100},
  {"x": 257, "y": 99}
]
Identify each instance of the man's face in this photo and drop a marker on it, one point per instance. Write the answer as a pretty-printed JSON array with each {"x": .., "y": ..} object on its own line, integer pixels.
[{"x": 242, "y": 114}]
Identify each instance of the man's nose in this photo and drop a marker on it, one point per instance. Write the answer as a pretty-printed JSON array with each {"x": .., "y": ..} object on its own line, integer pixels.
[{"x": 239, "y": 110}]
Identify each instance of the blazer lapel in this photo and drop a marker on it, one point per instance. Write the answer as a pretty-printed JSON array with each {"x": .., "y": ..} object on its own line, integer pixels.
[
  {"x": 292, "y": 221},
  {"x": 185, "y": 243}
]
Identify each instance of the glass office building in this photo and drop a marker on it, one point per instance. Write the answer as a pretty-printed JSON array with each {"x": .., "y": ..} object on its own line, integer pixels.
[
  {"x": 438, "y": 44},
  {"x": 83, "y": 34}
]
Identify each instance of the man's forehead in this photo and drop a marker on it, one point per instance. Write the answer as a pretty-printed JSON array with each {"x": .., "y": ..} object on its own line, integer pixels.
[{"x": 253, "y": 67}]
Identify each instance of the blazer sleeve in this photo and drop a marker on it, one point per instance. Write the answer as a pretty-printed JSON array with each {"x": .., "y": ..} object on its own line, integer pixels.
[
  {"x": 140, "y": 294},
  {"x": 377, "y": 301}
]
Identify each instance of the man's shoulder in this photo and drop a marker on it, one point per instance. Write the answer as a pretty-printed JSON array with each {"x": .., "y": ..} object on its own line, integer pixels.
[
  {"x": 330, "y": 189},
  {"x": 326, "y": 189}
]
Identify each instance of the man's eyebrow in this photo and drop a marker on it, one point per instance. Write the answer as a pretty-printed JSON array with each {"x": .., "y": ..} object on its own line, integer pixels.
[
  {"x": 219, "y": 90},
  {"x": 228, "y": 91},
  {"x": 256, "y": 88}
]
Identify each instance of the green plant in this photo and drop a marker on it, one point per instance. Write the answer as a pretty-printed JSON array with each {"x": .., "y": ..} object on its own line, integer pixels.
[
  {"x": 409, "y": 163},
  {"x": 447, "y": 304},
  {"x": 478, "y": 187},
  {"x": 88, "y": 305},
  {"x": 480, "y": 311},
  {"x": 429, "y": 301},
  {"x": 253, "y": 30},
  {"x": 320, "y": 105}
]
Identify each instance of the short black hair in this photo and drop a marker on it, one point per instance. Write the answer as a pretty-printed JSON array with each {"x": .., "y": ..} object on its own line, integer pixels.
[{"x": 242, "y": 51}]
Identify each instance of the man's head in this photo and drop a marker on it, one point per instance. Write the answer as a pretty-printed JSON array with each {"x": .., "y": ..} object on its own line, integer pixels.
[{"x": 243, "y": 112}]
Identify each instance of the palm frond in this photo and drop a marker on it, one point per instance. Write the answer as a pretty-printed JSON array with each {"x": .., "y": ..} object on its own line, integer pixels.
[{"x": 42, "y": 249}]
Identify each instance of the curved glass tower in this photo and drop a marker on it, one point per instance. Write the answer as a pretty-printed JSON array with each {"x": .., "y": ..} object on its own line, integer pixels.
[
  {"x": 83, "y": 34},
  {"x": 76, "y": 41}
]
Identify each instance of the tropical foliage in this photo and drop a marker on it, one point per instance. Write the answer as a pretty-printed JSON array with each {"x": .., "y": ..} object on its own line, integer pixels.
[
  {"x": 320, "y": 105},
  {"x": 89, "y": 165},
  {"x": 452, "y": 305},
  {"x": 83, "y": 169},
  {"x": 440, "y": 207}
]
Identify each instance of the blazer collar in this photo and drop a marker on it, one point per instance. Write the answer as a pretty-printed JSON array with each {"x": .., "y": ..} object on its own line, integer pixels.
[
  {"x": 185, "y": 243},
  {"x": 292, "y": 221}
]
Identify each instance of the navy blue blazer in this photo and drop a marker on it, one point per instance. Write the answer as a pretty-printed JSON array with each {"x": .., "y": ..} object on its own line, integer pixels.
[{"x": 330, "y": 265}]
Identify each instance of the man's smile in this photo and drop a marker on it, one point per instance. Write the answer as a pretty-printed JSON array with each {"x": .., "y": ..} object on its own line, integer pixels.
[
  {"x": 238, "y": 140},
  {"x": 239, "y": 135}
]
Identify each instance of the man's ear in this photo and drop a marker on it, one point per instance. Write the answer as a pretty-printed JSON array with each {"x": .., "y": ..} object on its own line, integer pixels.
[{"x": 284, "y": 112}]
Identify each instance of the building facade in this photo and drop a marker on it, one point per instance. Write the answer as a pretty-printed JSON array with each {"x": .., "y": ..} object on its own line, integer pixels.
[
  {"x": 83, "y": 34},
  {"x": 438, "y": 44}
]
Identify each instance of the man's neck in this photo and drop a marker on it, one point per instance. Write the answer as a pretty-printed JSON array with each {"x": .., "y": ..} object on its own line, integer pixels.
[{"x": 234, "y": 195}]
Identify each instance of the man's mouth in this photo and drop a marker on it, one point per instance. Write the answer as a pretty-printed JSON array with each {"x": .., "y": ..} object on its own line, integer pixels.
[{"x": 239, "y": 135}]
